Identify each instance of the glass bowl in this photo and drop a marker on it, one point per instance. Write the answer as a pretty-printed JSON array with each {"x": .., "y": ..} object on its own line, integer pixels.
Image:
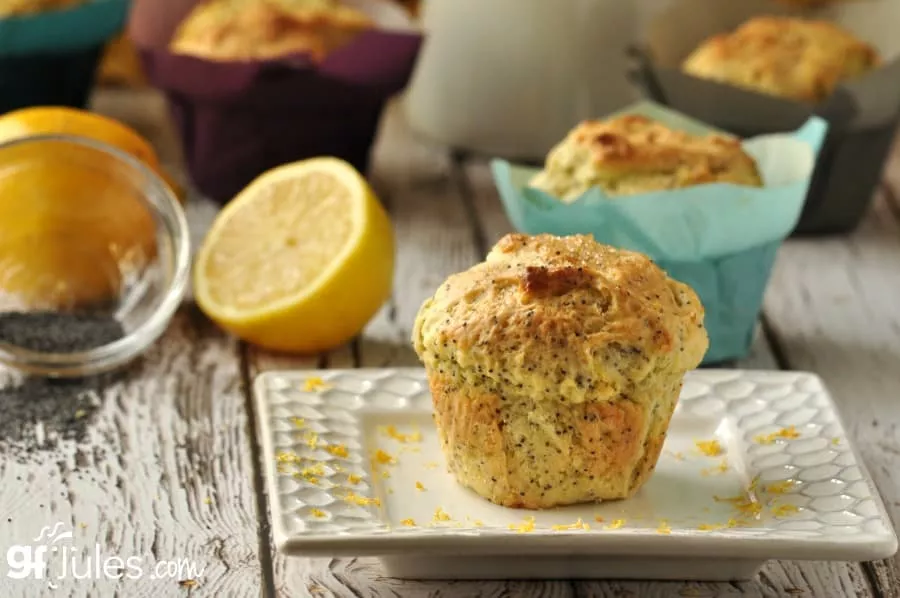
[{"x": 94, "y": 256}]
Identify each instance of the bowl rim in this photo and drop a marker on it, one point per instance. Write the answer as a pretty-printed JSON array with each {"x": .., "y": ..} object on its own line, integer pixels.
[{"x": 161, "y": 200}]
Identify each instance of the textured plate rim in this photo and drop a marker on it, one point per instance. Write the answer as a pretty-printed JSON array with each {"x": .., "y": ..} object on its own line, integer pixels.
[{"x": 622, "y": 542}]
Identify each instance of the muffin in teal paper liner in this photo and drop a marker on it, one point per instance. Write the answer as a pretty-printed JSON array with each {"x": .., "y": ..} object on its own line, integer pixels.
[
  {"x": 720, "y": 238},
  {"x": 50, "y": 57}
]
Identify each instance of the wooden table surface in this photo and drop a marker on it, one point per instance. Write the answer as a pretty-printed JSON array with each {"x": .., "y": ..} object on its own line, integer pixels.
[{"x": 168, "y": 468}]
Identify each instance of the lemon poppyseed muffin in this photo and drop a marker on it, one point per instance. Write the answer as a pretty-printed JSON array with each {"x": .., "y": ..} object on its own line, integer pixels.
[{"x": 555, "y": 366}]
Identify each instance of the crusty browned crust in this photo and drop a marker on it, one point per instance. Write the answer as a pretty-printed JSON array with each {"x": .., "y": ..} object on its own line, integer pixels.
[
  {"x": 266, "y": 29},
  {"x": 590, "y": 452},
  {"x": 794, "y": 58},
  {"x": 555, "y": 366},
  {"x": 632, "y": 154}
]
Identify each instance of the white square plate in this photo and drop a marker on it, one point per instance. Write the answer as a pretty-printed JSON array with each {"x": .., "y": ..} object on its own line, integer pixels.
[{"x": 786, "y": 484}]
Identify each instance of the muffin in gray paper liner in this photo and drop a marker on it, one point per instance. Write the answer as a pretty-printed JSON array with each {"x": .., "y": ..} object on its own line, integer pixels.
[
  {"x": 239, "y": 119},
  {"x": 863, "y": 113}
]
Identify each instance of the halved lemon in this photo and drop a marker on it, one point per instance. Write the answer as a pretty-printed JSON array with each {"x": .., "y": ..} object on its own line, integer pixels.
[{"x": 300, "y": 260}]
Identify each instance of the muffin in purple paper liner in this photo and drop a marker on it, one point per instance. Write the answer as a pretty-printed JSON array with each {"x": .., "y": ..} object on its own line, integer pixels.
[{"x": 238, "y": 119}]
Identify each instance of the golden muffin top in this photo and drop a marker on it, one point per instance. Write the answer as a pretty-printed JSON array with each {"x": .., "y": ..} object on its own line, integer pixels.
[
  {"x": 265, "y": 29},
  {"x": 793, "y": 58},
  {"x": 9, "y": 8},
  {"x": 633, "y": 154},
  {"x": 562, "y": 318}
]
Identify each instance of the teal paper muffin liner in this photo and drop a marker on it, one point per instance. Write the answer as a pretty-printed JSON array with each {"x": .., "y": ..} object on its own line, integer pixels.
[
  {"x": 63, "y": 31},
  {"x": 721, "y": 239},
  {"x": 50, "y": 58}
]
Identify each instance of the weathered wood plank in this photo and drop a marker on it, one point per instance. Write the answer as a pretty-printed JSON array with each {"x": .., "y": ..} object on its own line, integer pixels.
[
  {"x": 776, "y": 578},
  {"x": 161, "y": 472},
  {"x": 834, "y": 309},
  {"x": 153, "y": 464}
]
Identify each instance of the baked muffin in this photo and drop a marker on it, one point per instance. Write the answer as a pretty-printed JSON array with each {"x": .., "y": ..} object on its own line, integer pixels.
[
  {"x": 10, "y": 8},
  {"x": 798, "y": 59},
  {"x": 266, "y": 29},
  {"x": 633, "y": 154},
  {"x": 555, "y": 366}
]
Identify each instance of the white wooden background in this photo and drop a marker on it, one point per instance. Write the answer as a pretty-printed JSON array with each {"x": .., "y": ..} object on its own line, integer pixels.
[{"x": 170, "y": 467}]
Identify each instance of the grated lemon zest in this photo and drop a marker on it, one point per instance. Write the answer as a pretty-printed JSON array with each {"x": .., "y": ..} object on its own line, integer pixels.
[
  {"x": 616, "y": 524},
  {"x": 391, "y": 432},
  {"x": 420, "y": 486},
  {"x": 337, "y": 450},
  {"x": 285, "y": 457},
  {"x": 441, "y": 515},
  {"x": 298, "y": 422},
  {"x": 784, "y": 510},
  {"x": 571, "y": 526},
  {"x": 383, "y": 458},
  {"x": 525, "y": 527},
  {"x": 722, "y": 467},
  {"x": 314, "y": 384},
  {"x": 362, "y": 501},
  {"x": 354, "y": 479},
  {"x": 743, "y": 504},
  {"x": 779, "y": 487},
  {"x": 319, "y": 513},
  {"x": 408, "y": 522},
  {"x": 310, "y": 473},
  {"x": 710, "y": 448},
  {"x": 785, "y": 433}
]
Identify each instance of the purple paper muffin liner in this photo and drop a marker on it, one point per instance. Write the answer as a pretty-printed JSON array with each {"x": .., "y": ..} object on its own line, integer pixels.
[
  {"x": 229, "y": 143},
  {"x": 239, "y": 119}
]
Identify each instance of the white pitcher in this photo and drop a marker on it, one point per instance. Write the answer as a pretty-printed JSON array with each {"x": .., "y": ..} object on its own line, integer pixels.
[{"x": 511, "y": 77}]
